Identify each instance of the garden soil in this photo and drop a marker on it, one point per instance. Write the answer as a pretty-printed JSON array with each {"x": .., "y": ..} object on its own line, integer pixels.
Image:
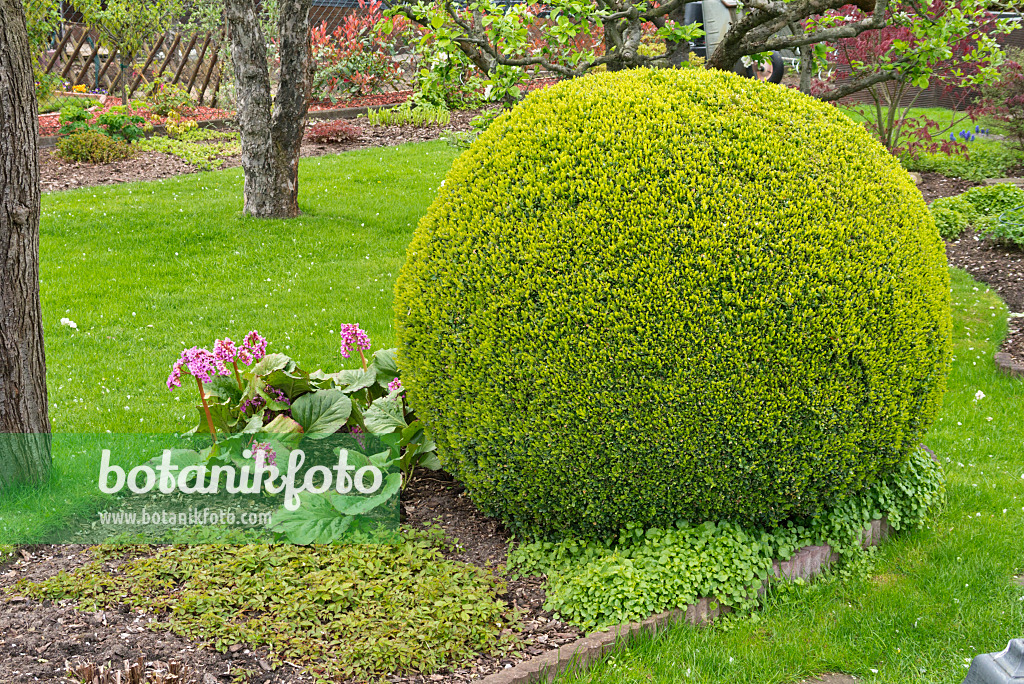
[{"x": 39, "y": 640}]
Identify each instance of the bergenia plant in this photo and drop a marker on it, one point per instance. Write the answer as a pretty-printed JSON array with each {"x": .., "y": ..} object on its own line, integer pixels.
[
  {"x": 204, "y": 365},
  {"x": 354, "y": 337}
]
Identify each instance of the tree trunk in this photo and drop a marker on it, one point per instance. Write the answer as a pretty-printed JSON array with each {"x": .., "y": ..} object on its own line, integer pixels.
[
  {"x": 24, "y": 419},
  {"x": 271, "y": 139}
]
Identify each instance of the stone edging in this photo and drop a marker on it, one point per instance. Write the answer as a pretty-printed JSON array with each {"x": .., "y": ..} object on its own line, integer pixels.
[
  {"x": 1008, "y": 365},
  {"x": 583, "y": 653}
]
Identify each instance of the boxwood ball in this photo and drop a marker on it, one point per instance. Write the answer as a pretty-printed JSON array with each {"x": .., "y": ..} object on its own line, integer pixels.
[{"x": 647, "y": 296}]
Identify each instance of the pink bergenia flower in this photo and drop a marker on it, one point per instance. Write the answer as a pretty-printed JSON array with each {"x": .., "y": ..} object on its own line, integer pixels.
[
  {"x": 198, "y": 362},
  {"x": 225, "y": 350},
  {"x": 256, "y": 345},
  {"x": 395, "y": 385},
  {"x": 263, "y": 451},
  {"x": 352, "y": 337}
]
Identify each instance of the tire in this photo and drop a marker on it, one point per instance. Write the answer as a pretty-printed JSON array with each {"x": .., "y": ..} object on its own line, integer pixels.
[{"x": 772, "y": 72}]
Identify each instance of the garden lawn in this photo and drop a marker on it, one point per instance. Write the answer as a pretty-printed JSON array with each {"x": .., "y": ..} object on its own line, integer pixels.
[
  {"x": 986, "y": 157},
  {"x": 147, "y": 269},
  {"x": 933, "y": 599}
]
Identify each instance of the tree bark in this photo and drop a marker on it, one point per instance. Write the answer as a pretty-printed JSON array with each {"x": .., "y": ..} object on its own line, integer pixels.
[
  {"x": 271, "y": 134},
  {"x": 24, "y": 418}
]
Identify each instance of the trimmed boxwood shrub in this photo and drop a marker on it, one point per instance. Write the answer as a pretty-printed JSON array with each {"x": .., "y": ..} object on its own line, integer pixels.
[{"x": 648, "y": 296}]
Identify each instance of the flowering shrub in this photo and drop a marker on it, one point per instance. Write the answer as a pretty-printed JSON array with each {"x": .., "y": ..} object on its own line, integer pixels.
[
  {"x": 354, "y": 59},
  {"x": 259, "y": 407},
  {"x": 334, "y": 131}
]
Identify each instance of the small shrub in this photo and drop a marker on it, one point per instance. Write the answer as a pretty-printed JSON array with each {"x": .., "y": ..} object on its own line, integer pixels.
[
  {"x": 166, "y": 98},
  {"x": 92, "y": 146},
  {"x": 118, "y": 123},
  {"x": 75, "y": 118},
  {"x": 334, "y": 131},
  {"x": 177, "y": 127},
  {"x": 653, "y": 295},
  {"x": 407, "y": 115}
]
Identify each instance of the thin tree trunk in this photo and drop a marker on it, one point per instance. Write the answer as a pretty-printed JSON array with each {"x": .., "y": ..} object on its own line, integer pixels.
[
  {"x": 271, "y": 140},
  {"x": 24, "y": 419}
]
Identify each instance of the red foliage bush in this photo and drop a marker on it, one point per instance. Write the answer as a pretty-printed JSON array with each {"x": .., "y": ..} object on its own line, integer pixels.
[{"x": 333, "y": 131}]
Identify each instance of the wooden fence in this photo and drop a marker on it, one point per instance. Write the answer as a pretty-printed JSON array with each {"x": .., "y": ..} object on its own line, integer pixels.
[{"x": 192, "y": 61}]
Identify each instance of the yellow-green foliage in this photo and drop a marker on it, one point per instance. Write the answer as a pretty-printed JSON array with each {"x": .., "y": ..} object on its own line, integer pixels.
[{"x": 650, "y": 295}]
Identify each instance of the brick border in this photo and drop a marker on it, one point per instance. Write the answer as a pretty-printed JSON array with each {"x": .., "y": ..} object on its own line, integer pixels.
[
  {"x": 583, "y": 653},
  {"x": 1008, "y": 365}
]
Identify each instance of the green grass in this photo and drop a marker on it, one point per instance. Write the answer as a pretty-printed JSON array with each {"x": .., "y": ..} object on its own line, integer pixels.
[
  {"x": 147, "y": 269},
  {"x": 986, "y": 158},
  {"x": 934, "y": 598}
]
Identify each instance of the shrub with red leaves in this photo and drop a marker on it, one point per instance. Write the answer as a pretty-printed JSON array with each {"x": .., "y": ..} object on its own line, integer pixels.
[
  {"x": 1004, "y": 99},
  {"x": 333, "y": 131}
]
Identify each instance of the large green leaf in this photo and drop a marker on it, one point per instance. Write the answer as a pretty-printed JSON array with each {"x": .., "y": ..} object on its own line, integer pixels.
[
  {"x": 387, "y": 365},
  {"x": 292, "y": 383},
  {"x": 285, "y": 432},
  {"x": 224, "y": 388},
  {"x": 351, "y": 504},
  {"x": 384, "y": 416},
  {"x": 321, "y": 413},
  {"x": 315, "y": 521},
  {"x": 366, "y": 378},
  {"x": 272, "y": 362}
]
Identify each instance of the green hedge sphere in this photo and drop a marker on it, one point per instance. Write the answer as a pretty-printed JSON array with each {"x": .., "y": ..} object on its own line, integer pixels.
[{"x": 648, "y": 296}]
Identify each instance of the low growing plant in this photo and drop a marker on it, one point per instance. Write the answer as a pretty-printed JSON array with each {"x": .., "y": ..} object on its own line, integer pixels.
[
  {"x": 407, "y": 115},
  {"x": 342, "y": 612},
  {"x": 981, "y": 209},
  {"x": 92, "y": 146},
  {"x": 641, "y": 572},
  {"x": 333, "y": 131},
  {"x": 205, "y": 150}
]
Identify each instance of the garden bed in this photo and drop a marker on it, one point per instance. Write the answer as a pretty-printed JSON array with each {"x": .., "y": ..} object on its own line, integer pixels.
[
  {"x": 37, "y": 639},
  {"x": 57, "y": 174}
]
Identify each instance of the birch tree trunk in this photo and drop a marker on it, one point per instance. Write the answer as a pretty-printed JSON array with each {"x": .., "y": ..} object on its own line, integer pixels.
[
  {"x": 271, "y": 132},
  {"x": 24, "y": 418}
]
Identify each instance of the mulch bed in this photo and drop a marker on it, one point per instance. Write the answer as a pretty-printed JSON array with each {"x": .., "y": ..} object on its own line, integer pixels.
[{"x": 39, "y": 639}]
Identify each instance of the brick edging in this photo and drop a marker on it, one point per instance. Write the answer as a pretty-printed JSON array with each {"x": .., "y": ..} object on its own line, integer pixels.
[
  {"x": 1008, "y": 365},
  {"x": 584, "y": 652}
]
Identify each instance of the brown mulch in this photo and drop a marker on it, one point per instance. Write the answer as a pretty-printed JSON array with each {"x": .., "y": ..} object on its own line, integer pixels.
[
  {"x": 38, "y": 639},
  {"x": 1000, "y": 267},
  {"x": 57, "y": 174},
  {"x": 935, "y": 185}
]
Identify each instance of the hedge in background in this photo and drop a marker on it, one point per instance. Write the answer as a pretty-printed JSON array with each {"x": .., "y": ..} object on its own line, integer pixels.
[{"x": 647, "y": 296}]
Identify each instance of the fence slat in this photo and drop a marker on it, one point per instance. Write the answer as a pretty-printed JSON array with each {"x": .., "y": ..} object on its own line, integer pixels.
[
  {"x": 184, "y": 59},
  {"x": 106, "y": 65},
  {"x": 170, "y": 53},
  {"x": 209, "y": 73},
  {"x": 74, "y": 53},
  {"x": 59, "y": 51},
  {"x": 199, "y": 63},
  {"x": 149, "y": 60}
]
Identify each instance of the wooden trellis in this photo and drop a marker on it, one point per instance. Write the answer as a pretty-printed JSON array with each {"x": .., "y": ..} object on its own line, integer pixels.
[{"x": 192, "y": 61}]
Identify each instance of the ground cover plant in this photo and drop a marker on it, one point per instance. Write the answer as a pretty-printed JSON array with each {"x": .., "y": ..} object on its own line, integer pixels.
[
  {"x": 187, "y": 268},
  {"x": 995, "y": 212},
  {"x": 932, "y": 599},
  {"x": 375, "y": 609},
  {"x": 515, "y": 252}
]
